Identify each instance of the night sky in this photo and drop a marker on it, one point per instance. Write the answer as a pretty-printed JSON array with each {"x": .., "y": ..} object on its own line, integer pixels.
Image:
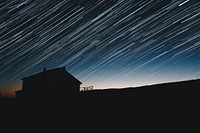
[{"x": 103, "y": 43}]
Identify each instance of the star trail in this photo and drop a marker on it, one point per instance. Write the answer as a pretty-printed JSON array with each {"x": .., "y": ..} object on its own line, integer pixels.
[{"x": 104, "y": 43}]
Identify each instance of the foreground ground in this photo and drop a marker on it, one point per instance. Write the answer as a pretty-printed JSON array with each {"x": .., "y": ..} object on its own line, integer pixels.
[{"x": 100, "y": 110}]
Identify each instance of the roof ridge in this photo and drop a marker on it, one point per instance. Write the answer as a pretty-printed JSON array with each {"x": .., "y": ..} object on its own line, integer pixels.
[{"x": 49, "y": 71}]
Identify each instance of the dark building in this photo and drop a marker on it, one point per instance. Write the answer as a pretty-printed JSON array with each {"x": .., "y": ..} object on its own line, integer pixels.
[{"x": 55, "y": 82}]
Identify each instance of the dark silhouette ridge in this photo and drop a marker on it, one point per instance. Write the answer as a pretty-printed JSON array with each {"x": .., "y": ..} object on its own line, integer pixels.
[
  {"x": 95, "y": 105},
  {"x": 171, "y": 93},
  {"x": 59, "y": 84},
  {"x": 183, "y": 91},
  {"x": 57, "y": 88}
]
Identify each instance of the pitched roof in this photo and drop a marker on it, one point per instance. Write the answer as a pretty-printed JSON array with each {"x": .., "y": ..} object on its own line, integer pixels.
[{"x": 52, "y": 71}]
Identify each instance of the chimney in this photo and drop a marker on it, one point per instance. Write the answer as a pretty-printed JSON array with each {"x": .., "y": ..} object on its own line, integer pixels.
[
  {"x": 64, "y": 67},
  {"x": 44, "y": 70}
]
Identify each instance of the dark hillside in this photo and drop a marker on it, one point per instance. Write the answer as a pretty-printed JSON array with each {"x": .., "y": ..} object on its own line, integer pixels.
[
  {"x": 177, "y": 93},
  {"x": 163, "y": 102}
]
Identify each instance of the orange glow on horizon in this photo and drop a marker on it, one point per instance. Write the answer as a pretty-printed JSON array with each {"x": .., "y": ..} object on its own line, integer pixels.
[{"x": 9, "y": 91}]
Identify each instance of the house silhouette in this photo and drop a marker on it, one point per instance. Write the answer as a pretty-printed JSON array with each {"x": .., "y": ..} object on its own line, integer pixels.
[{"x": 54, "y": 82}]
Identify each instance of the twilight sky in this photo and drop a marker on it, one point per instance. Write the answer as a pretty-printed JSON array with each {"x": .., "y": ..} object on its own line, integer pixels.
[{"x": 104, "y": 43}]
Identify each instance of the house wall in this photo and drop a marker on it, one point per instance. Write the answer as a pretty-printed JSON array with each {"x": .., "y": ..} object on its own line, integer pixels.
[{"x": 50, "y": 86}]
